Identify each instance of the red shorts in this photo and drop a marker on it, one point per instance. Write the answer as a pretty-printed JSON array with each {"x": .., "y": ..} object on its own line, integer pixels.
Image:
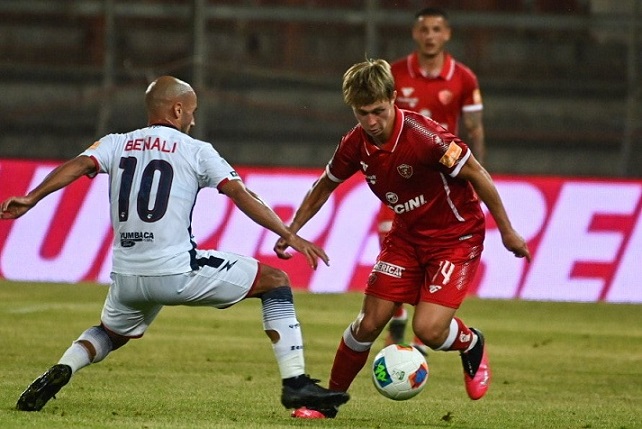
[{"x": 410, "y": 272}]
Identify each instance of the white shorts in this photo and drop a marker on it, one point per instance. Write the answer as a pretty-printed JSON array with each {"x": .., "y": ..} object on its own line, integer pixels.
[{"x": 133, "y": 302}]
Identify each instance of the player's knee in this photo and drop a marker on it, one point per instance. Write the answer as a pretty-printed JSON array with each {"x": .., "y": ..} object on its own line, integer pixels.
[
  {"x": 279, "y": 278},
  {"x": 431, "y": 336},
  {"x": 97, "y": 342},
  {"x": 367, "y": 329},
  {"x": 353, "y": 342},
  {"x": 271, "y": 278},
  {"x": 117, "y": 341}
]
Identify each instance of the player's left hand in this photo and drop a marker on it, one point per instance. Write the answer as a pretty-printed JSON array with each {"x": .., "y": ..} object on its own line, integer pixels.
[
  {"x": 517, "y": 245},
  {"x": 281, "y": 249},
  {"x": 311, "y": 251}
]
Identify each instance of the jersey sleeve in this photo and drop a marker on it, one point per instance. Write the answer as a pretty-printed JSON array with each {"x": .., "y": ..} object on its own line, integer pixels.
[
  {"x": 213, "y": 170},
  {"x": 472, "y": 99},
  {"x": 344, "y": 162},
  {"x": 102, "y": 153},
  {"x": 443, "y": 150}
]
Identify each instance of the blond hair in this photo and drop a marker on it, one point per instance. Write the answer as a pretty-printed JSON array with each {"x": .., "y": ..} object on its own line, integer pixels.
[{"x": 368, "y": 82}]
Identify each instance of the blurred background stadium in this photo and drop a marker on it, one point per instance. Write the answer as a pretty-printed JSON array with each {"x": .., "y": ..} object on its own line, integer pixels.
[{"x": 561, "y": 79}]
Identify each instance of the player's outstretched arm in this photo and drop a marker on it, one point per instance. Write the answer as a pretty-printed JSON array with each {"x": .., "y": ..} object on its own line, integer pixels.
[
  {"x": 250, "y": 204},
  {"x": 312, "y": 202},
  {"x": 61, "y": 176},
  {"x": 487, "y": 192}
]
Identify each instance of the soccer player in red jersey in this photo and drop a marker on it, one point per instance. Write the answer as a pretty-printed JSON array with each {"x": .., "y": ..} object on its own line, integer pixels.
[
  {"x": 434, "y": 184},
  {"x": 430, "y": 81}
]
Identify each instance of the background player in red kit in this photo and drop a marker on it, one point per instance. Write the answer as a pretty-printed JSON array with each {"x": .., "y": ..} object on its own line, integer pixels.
[
  {"x": 431, "y": 82},
  {"x": 433, "y": 182}
]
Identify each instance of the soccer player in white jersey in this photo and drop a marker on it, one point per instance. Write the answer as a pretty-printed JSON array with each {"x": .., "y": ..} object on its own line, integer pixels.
[{"x": 155, "y": 174}]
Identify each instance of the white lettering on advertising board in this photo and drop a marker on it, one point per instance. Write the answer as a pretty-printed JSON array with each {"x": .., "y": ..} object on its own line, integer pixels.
[{"x": 585, "y": 235}]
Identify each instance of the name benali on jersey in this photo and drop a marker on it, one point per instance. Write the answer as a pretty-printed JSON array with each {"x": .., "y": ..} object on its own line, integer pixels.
[{"x": 149, "y": 143}]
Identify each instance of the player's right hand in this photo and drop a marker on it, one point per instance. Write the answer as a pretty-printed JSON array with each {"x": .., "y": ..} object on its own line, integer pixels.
[{"x": 14, "y": 207}]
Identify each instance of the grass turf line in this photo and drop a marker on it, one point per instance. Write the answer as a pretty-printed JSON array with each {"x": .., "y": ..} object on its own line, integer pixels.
[{"x": 555, "y": 365}]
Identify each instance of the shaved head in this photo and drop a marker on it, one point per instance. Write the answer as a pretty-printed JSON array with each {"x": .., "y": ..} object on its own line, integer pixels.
[
  {"x": 165, "y": 90},
  {"x": 168, "y": 99}
]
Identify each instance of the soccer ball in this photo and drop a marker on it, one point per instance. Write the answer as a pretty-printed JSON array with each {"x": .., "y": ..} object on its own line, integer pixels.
[{"x": 399, "y": 372}]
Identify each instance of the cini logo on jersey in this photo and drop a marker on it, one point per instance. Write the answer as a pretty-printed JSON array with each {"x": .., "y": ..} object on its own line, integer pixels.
[
  {"x": 409, "y": 205},
  {"x": 434, "y": 288},
  {"x": 392, "y": 198},
  {"x": 405, "y": 171}
]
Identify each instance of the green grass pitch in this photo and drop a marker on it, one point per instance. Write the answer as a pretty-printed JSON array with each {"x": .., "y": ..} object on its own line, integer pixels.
[{"x": 555, "y": 365}]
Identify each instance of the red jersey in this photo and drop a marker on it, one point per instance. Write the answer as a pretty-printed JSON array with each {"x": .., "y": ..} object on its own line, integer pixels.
[
  {"x": 442, "y": 98},
  {"x": 415, "y": 174}
]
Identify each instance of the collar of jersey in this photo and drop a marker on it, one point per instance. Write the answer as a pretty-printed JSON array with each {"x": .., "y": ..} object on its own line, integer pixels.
[
  {"x": 446, "y": 70},
  {"x": 164, "y": 125}
]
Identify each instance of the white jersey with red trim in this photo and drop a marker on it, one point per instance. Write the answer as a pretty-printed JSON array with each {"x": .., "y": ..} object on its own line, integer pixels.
[{"x": 155, "y": 174}]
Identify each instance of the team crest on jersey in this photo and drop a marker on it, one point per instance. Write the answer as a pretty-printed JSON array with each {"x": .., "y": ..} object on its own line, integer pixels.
[
  {"x": 405, "y": 171},
  {"x": 445, "y": 96},
  {"x": 392, "y": 198}
]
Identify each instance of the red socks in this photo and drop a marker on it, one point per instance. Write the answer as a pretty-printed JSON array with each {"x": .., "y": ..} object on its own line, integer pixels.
[
  {"x": 464, "y": 337},
  {"x": 347, "y": 364}
]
